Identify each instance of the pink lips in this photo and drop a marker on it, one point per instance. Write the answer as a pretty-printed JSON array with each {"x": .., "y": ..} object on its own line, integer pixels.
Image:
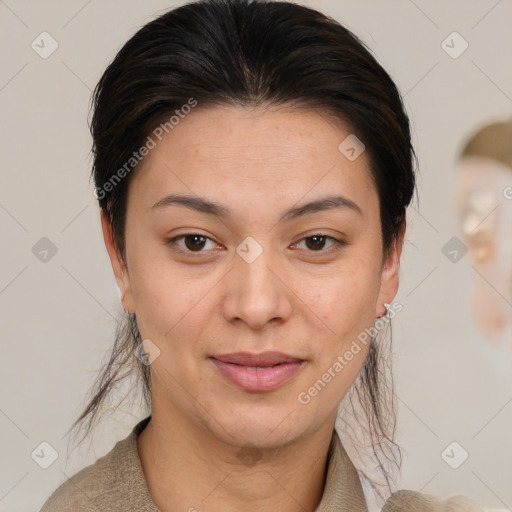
[{"x": 257, "y": 372}]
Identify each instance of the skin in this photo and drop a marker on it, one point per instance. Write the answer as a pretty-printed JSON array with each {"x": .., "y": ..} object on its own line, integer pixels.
[{"x": 293, "y": 298}]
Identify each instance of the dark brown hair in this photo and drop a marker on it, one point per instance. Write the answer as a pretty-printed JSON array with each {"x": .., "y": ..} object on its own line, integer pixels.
[{"x": 250, "y": 53}]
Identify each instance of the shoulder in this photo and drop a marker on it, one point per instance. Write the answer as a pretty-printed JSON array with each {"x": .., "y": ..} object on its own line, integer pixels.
[
  {"x": 83, "y": 491},
  {"x": 115, "y": 482},
  {"x": 412, "y": 501}
]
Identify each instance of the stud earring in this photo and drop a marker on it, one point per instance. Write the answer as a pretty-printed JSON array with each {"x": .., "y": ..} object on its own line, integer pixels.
[{"x": 387, "y": 306}]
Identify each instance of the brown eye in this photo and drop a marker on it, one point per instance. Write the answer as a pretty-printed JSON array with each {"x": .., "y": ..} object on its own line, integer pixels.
[
  {"x": 317, "y": 243},
  {"x": 193, "y": 243}
]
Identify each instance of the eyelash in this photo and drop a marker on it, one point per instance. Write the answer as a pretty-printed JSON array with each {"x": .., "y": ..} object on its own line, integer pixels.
[{"x": 337, "y": 244}]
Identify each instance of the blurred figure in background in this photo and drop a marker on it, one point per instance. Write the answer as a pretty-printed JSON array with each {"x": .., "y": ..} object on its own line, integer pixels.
[{"x": 484, "y": 207}]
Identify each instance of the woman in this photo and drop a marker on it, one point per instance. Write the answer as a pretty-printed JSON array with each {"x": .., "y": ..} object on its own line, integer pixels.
[{"x": 253, "y": 166}]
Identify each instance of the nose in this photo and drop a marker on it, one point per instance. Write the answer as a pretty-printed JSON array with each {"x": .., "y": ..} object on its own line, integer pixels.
[{"x": 256, "y": 292}]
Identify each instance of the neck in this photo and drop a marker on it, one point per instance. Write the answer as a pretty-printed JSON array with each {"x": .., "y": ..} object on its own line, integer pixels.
[{"x": 189, "y": 469}]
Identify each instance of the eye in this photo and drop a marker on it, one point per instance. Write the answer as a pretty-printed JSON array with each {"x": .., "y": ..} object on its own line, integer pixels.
[
  {"x": 193, "y": 243},
  {"x": 317, "y": 241}
]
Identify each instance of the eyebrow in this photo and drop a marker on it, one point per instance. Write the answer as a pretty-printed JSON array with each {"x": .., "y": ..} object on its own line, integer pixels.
[{"x": 204, "y": 205}]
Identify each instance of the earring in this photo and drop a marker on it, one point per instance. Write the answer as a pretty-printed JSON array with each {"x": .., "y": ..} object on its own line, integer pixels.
[{"x": 387, "y": 306}]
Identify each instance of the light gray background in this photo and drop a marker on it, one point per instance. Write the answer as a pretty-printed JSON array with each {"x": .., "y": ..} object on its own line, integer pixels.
[{"x": 58, "y": 317}]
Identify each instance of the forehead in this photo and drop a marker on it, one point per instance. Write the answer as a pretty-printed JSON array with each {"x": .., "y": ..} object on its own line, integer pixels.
[{"x": 253, "y": 156}]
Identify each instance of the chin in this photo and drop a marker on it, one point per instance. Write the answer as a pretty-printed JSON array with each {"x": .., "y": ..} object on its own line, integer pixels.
[{"x": 264, "y": 427}]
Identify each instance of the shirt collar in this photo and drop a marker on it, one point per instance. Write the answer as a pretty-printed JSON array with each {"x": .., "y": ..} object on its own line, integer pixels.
[{"x": 343, "y": 491}]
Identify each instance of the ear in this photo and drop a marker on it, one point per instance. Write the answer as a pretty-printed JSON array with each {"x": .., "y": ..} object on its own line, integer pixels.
[
  {"x": 389, "y": 276},
  {"x": 118, "y": 265}
]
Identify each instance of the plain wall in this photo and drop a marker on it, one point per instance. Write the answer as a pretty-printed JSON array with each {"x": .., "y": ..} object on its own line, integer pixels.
[{"x": 58, "y": 317}]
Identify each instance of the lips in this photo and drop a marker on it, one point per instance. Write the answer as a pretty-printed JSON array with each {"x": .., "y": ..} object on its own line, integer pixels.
[
  {"x": 263, "y": 360},
  {"x": 257, "y": 372}
]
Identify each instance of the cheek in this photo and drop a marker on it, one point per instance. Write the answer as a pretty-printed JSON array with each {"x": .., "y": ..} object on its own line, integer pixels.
[
  {"x": 167, "y": 296},
  {"x": 345, "y": 298},
  {"x": 168, "y": 303},
  {"x": 347, "y": 307}
]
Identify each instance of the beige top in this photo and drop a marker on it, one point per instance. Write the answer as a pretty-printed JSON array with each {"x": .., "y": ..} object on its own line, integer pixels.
[{"x": 116, "y": 483}]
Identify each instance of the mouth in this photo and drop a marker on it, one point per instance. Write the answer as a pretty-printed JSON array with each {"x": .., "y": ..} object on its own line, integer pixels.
[{"x": 257, "y": 372}]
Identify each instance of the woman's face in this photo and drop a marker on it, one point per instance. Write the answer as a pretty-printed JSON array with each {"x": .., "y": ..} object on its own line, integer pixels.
[{"x": 247, "y": 276}]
